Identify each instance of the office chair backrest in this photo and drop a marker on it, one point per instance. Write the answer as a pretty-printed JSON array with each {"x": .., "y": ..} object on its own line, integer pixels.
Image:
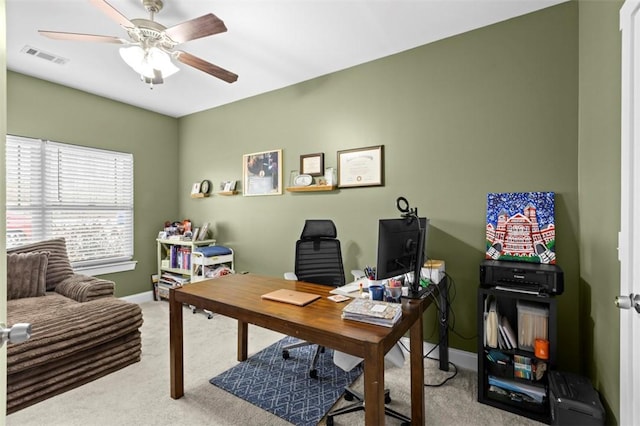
[{"x": 318, "y": 254}]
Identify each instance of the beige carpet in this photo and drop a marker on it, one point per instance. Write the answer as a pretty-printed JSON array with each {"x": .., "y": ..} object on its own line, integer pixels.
[{"x": 139, "y": 394}]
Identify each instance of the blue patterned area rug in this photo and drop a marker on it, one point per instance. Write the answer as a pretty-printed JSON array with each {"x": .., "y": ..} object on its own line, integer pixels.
[{"x": 283, "y": 387}]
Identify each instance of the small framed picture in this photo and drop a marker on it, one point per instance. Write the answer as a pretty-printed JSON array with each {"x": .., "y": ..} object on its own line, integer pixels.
[
  {"x": 195, "y": 188},
  {"x": 229, "y": 186},
  {"x": 204, "y": 232},
  {"x": 312, "y": 164}
]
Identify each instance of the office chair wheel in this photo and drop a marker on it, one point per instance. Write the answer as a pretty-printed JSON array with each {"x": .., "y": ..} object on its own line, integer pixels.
[
  {"x": 285, "y": 354},
  {"x": 313, "y": 373},
  {"x": 348, "y": 396},
  {"x": 329, "y": 420},
  {"x": 387, "y": 399}
]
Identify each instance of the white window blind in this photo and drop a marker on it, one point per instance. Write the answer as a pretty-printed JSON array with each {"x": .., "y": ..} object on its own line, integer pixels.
[{"x": 82, "y": 194}]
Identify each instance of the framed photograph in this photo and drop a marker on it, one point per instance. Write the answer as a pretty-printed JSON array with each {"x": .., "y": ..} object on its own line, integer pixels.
[
  {"x": 312, "y": 164},
  {"x": 229, "y": 185},
  {"x": 361, "y": 167},
  {"x": 195, "y": 188},
  {"x": 262, "y": 173}
]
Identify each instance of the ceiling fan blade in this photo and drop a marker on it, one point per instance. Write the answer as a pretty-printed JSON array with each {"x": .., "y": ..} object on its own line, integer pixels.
[
  {"x": 82, "y": 37},
  {"x": 202, "y": 65},
  {"x": 112, "y": 12},
  {"x": 203, "y": 26}
]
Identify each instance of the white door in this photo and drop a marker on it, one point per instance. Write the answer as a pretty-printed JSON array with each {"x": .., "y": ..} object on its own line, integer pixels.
[{"x": 629, "y": 239}]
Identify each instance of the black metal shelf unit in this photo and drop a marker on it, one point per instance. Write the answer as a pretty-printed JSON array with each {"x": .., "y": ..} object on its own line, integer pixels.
[{"x": 507, "y": 306}]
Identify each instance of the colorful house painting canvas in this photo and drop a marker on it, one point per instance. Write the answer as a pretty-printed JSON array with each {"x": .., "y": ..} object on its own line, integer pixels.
[{"x": 521, "y": 227}]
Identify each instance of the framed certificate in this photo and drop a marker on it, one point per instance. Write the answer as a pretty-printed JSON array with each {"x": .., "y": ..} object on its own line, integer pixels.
[
  {"x": 312, "y": 164},
  {"x": 361, "y": 167}
]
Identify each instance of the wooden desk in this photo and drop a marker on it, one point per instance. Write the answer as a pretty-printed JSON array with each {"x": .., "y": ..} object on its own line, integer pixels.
[{"x": 238, "y": 296}]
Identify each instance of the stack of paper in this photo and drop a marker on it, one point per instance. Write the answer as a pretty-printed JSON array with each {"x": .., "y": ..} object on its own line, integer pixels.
[
  {"x": 498, "y": 330},
  {"x": 373, "y": 312}
]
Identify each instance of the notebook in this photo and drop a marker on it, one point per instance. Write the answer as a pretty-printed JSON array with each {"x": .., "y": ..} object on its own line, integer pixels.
[{"x": 291, "y": 296}]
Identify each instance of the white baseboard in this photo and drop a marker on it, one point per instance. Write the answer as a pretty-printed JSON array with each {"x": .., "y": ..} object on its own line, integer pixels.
[
  {"x": 461, "y": 359},
  {"x": 147, "y": 296}
]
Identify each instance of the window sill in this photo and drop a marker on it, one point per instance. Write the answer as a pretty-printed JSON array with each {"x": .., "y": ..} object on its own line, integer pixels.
[{"x": 110, "y": 268}]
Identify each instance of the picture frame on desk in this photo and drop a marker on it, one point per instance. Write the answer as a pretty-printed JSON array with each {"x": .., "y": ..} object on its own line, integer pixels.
[
  {"x": 262, "y": 173},
  {"x": 361, "y": 167},
  {"x": 204, "y": 230}
]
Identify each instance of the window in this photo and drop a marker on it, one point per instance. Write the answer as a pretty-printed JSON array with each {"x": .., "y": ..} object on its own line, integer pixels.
[{"x": 82, "y": 194}]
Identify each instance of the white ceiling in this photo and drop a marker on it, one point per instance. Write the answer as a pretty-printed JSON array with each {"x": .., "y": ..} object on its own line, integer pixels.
[{"x": 270, "y": 44}]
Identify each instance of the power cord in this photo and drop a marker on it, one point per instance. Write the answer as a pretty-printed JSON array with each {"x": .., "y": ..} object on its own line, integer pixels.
[{"x": 449, "y": 317}]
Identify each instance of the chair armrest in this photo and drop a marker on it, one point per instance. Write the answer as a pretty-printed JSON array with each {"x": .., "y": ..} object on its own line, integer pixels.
[
  {"x": 83, "y": 288},
  {"x": 290, "y": 276},
  {"x": 357, "y": 274}
]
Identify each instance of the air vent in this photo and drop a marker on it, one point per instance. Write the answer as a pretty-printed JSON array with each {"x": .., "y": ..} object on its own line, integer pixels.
[{"x": 32, "y": 51}]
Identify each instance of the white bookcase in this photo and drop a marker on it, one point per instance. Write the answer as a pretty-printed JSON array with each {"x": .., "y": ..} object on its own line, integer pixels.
[{"x": 175, "y": 258}]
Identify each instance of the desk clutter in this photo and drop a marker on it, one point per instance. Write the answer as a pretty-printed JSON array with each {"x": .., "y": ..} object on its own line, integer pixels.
[{"x": 373, "y": 312}]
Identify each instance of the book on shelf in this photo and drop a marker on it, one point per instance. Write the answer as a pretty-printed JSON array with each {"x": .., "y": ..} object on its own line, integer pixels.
[
  {"x": 373, "y": 312},
  {"x": 508, "y": 331}
]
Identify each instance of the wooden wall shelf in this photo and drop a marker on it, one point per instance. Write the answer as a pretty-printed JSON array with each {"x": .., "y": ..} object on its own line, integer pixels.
[
  {"x": 228, "y": 193},
  {"x": 312, "y": 188},
  {"x": 199, "y": 195}
]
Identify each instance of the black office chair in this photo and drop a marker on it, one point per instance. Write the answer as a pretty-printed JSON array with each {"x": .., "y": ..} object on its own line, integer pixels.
[{"x": 318, "y": 260}]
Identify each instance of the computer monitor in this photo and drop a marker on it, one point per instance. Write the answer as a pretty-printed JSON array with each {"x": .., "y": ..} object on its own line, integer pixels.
[{"x": 401, "y": 249}]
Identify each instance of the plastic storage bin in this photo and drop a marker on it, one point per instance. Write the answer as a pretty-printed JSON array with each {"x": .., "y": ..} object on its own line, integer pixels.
[{"x": 533, "y": 323}]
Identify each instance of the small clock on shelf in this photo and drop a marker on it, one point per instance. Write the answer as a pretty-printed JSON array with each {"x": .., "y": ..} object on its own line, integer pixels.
[{"x": 205, "y": 186}]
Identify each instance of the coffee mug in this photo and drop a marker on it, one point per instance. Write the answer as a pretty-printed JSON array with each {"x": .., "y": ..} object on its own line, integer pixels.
[{"x": 376, "y": 292}]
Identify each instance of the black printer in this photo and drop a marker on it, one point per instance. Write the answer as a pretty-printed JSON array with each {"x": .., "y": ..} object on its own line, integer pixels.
[
  {"x": 574, "y": 401},
  {"x": 538, "y": 278}
]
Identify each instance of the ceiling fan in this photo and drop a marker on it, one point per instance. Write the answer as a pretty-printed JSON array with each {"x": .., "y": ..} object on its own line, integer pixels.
[{"x": 152, "y": 45}]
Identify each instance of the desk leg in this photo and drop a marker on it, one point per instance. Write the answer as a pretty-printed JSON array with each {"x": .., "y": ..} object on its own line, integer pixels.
[
  {"x": 444, "y": 325},
  {"x": 243, "y": 334},
  {"x": 417, "y": 372},
  {"x": 374, "y": 385},
  {"x": 176, "y": 355}
]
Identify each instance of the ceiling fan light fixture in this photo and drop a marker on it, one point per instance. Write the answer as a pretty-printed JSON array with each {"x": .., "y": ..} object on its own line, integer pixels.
[{"x": 144, "y": 62}]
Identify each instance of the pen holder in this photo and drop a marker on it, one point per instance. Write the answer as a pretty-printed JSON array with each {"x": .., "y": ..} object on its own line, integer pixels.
[
  {"x": 371, "y": 282},
  {"x": 394, "y": 294}
]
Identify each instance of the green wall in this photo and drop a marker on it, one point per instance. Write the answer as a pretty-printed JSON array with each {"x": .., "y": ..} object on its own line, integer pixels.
[
  {"x": 492, "y": 110},
  {"x": 44, "y": 110},
  {"x": 599, "y": 194}
]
